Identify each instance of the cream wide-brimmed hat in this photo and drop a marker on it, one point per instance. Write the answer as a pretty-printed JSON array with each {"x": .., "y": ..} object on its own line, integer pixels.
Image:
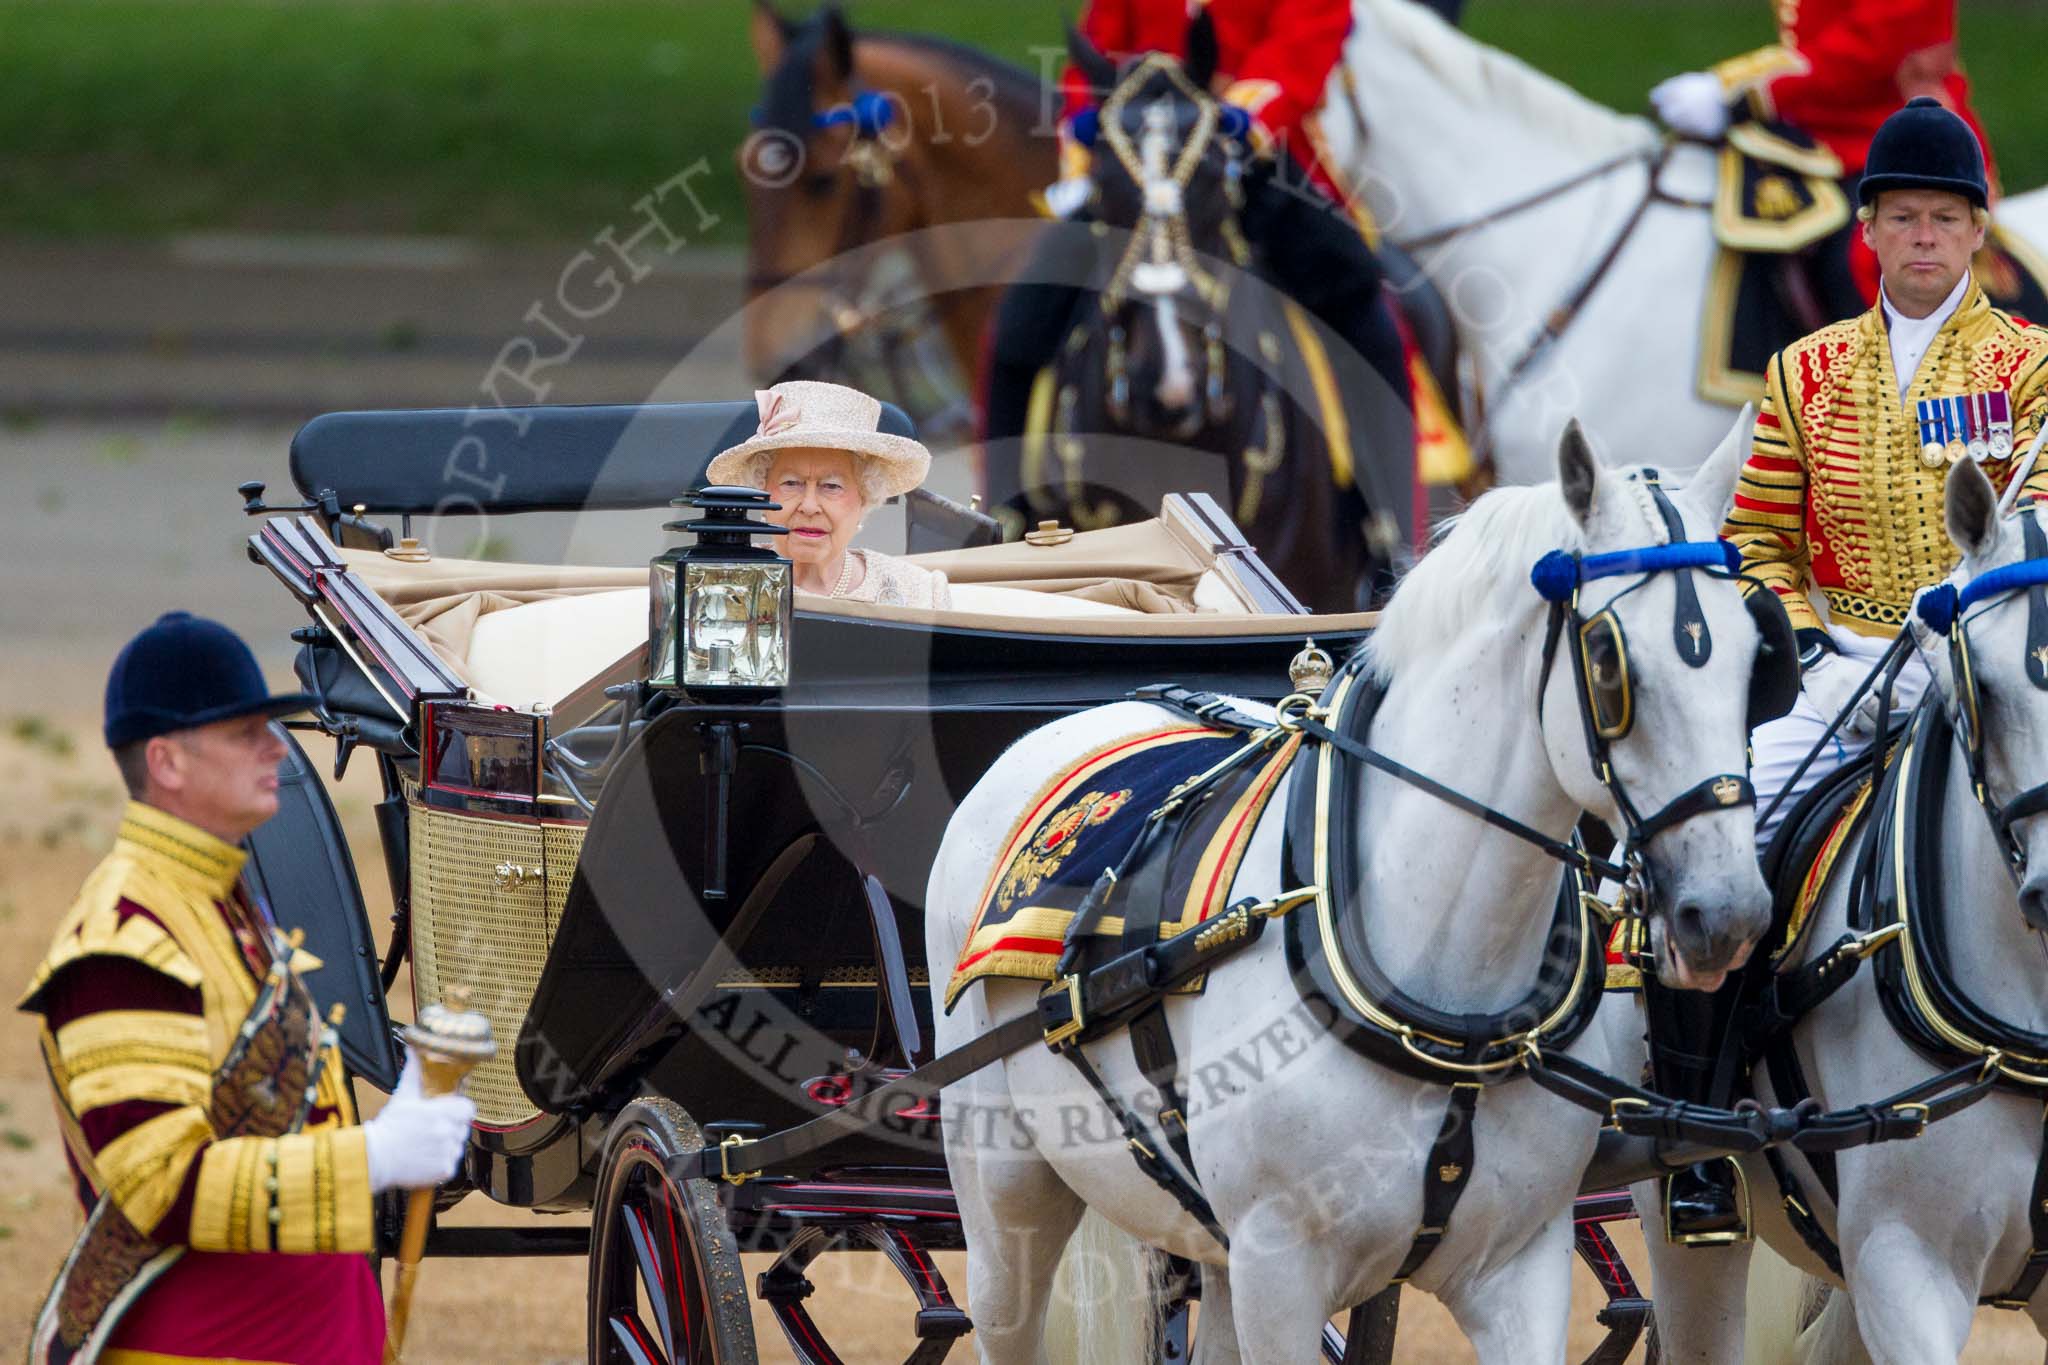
[{"x": 805, "y": 414}]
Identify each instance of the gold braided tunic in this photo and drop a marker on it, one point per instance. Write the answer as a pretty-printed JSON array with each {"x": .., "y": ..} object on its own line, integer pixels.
[
  {"x": 143, "y": 992},
  {"x": 1835, "y": 494}
]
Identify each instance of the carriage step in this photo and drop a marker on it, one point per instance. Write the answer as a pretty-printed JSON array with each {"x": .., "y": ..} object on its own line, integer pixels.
[{"x": 942, "y": 1324}]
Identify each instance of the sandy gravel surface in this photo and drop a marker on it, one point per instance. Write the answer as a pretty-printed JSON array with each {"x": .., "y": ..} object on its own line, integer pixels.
[{"x": 103, "y": 525}]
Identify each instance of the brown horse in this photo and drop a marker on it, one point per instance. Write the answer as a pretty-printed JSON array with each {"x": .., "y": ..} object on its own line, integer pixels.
[{"x": 873, "y": 146}]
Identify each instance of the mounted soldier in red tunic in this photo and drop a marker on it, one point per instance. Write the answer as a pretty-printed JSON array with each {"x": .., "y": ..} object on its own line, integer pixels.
[
  {"x": 1274, "y": 60},
  {"x": 1839, "y": 69}
]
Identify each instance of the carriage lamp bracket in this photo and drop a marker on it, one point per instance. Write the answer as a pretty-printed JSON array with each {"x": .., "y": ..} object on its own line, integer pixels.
[{"x": 717, "y": 761}]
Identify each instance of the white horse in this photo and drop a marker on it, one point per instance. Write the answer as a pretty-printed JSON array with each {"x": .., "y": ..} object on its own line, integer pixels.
[
  {"x": 1453, "y": 130},
  {"x": 1312, "y": 1157},
  {"x": 1925, "y": 1227}
]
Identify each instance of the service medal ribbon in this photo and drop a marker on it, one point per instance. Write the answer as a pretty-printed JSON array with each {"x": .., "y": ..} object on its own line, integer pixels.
[
  {"x": 1927, "y": 414},
  {"x": 2000, "y": 405},
  {"x": 1956, "y": 421},
  {"x": 1979, "y": 411}
]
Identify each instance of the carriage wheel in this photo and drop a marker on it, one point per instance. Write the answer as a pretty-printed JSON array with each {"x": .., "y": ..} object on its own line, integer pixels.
[{"x": 665, "y": 1281}]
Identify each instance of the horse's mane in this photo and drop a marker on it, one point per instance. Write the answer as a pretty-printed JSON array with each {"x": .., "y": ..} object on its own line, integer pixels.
[
  {"x": 1479, "y": 568},
  {"x": 788, "y": 101},
  {"x": 1475, "y": 74},
  {"x": 1015, "y": 87}
]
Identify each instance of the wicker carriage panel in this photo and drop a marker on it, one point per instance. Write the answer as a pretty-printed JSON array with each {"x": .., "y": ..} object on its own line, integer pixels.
[
  {"x": 483, "y": 916},
  {"x": 563, "y": 844}
]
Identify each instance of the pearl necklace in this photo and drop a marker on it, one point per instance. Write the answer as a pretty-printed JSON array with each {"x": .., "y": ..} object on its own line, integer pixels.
[{"x": 845, "y": 582}]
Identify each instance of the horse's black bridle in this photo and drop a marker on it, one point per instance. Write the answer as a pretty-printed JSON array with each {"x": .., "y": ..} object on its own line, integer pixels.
[
  {"x": 1557, "y": 578},
  {"x": 1944, "y": 610}
]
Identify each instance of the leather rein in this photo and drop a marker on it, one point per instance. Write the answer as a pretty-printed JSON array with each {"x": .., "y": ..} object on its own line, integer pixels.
[{"x": 1560, "y": 318}]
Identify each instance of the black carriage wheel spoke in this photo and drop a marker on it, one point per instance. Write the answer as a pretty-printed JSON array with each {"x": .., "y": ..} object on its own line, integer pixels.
[
  {"x": 655, "y": 1286},
  {"x": 634, "y": 1340}
]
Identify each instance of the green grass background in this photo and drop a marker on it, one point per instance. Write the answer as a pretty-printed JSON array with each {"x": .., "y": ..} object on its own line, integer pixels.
[{"x": 544, "y": 119}]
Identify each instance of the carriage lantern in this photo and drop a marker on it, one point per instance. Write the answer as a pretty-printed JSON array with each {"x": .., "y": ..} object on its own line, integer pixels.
[{"x": 719, "y": 610}]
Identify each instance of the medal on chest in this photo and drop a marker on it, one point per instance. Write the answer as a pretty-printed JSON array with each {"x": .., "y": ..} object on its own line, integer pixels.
[
  {"x": 1958, "y": 421},
  {"x": 1976, "y": 425},
  {"x": 1932, "y": 415}
]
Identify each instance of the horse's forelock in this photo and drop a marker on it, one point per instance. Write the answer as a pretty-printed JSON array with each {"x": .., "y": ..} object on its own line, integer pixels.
[{"x": 788, "y": 96}]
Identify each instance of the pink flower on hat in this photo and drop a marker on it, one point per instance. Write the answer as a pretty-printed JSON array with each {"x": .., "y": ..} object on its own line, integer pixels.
[{"x": 777, "y": 414}]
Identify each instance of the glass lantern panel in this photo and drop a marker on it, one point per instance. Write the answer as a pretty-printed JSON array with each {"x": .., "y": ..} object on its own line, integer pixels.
[
  {"x": 736, "y": 624},
  {"x": 661, "y": 623}
]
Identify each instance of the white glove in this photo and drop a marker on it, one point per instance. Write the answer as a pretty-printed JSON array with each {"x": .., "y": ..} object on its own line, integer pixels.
[
  {"x": 415, "y": 1142},
  {"x": 1065, "y": 197},
  {"x": 1828, "y": 684},
  {"x": 1695, "y": 104}
]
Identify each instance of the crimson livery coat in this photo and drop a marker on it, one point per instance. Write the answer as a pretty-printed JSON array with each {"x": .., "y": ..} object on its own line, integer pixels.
[
  {"x": 1844, "y": 66},
  {"x": 1274, "y": 57}
]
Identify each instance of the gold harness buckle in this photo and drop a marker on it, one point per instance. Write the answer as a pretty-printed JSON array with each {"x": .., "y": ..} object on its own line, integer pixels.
[
  {"x": 725, "y": 1155},
  {"x": 1060, "y": 1035}
]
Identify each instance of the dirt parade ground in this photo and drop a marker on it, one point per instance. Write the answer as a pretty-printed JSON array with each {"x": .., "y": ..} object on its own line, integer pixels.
[{"x": 108, "y": 524}]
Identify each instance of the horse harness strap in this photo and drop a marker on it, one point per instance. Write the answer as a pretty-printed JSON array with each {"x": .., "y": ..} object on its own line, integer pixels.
[
  {"x": 1138, "y": 885},
  {"x": 1445, "y": 1174}
]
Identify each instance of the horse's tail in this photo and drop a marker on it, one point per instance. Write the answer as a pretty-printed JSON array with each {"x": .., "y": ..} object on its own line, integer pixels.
[
  {"x": 1102, "y": 1274},
  {"x": 1791, "y": 1318}
]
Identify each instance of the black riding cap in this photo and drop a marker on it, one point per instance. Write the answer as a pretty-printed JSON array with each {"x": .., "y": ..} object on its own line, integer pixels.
[
  {"x": 186, "y": 671},
  {"x": 1925, "y": 146}
]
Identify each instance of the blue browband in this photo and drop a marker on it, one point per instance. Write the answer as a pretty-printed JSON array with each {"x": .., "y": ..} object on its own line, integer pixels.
[
  {"x": 869, "y": 114},
  {"x": 1086, "y": 125},
  {"x": 1940, "y": 605},
  {"x": 1558, "y": 574}
]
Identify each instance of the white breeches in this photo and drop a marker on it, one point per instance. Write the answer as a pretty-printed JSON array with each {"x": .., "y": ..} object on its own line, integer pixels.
[{"x": 1777, "y": 747}]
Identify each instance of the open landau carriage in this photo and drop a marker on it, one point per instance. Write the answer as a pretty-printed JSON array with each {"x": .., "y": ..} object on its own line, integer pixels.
[{"x": 693, "y": 914}]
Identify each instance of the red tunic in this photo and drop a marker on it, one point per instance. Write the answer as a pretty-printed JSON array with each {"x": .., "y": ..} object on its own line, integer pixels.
[
  {"x": 1865, "y": 59},
  {"x": 1274, "y": 57}
]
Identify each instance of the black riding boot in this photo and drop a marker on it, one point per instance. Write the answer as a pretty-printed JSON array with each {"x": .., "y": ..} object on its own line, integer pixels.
[
  {"x": 1030, "y": 322},
  {"x": 1311, "y": 251},
  {"x": 1691, "y": 1059}
]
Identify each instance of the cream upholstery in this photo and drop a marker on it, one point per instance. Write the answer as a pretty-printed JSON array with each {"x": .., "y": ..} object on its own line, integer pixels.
[
  {"x": 540, "y": 652},
  {"x": 988, "y": 599}
]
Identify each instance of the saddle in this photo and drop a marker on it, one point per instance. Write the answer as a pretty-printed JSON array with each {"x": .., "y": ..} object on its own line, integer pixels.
[
  {"x": 1785, "y": 228},
  {"x": 1088, "y": 819},
  {"x": 1782, "y": 221}
]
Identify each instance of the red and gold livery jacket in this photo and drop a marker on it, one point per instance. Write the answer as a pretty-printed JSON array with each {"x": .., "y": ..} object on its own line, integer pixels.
[
  {"x": 1274, "y": 57},
  {"x": 1836, "y": 494},
  {"x": 1841, "y": 67},
  {"x": 150, "y": 976}
]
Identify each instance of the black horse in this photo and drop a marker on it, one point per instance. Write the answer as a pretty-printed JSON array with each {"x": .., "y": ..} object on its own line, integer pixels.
[{"x": 1176, "y": 366}]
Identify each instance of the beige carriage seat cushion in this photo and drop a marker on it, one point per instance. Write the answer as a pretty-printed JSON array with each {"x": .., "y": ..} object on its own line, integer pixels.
[
  {"x": 989, "y": 599},
  {"x": 540, "y": 652}
]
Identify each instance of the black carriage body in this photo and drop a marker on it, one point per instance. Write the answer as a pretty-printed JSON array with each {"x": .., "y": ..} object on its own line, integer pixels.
[{"x": 849, "y": 777}]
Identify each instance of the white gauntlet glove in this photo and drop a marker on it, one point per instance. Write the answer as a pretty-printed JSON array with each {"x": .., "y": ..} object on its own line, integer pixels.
[
  {"x": 414, "y": 1142},
  {"x": 1066, "y": 197},
  {"x": 1695, "y": 104},
  {"x": 1827, "y": 685}
]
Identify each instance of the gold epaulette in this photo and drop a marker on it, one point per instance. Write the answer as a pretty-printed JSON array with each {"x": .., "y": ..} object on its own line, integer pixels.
[{"x": 94, "y": 927}]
